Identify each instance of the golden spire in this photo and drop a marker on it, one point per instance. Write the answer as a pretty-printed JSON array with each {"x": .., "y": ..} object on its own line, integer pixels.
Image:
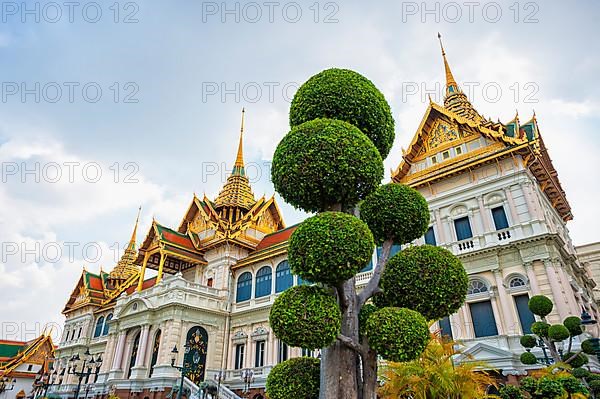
[
  {"x": 451, "y": 86},
  {"x": 237, "y": 191},
  {"x": 125, "y": 267}
]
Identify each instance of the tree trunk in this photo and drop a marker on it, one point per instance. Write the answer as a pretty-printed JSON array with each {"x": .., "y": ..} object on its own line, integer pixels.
[{"x": 369, "y": 375}]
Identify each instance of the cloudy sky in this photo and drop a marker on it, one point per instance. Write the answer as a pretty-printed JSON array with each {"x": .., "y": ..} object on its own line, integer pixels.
[{"x": 108, "y": 106}]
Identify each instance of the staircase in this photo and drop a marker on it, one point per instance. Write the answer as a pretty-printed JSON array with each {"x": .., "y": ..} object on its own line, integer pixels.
[{"x": 224, "y": 392}]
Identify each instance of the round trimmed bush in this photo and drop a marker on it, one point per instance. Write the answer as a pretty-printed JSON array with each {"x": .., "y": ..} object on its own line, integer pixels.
[
  {"x": 363, "y": 316},
  {"x": 540, "y": 305},
  {"x": 398, "y": 334},
  {"x": 573, "y": 324},
  {"x": 528, "y": 341},
  {"x": 306, "y": 316},
  {"x": 558, "y": 332},
  {"x": 540, "y": 328},
  {"x": 528, "y": 358},
  {"x": 595, "y": 386},
  {"x": 330, "y": 247},
  {"x": 572, "y": 385},
  {"x": 428, "y": 279},
  {"x": 589, "y": 346},
  {"x": 294, "y": 378},
  {"x": 325, "y": 162},
  {"x": 577, "y": 361},
  {"x": 397, "y": 212},
  {"x": 511, "y": 392},
  {"x": 580, "y": 372},
  {"x": 549, "y": 389},
  {"x": 348, "y": 96}
]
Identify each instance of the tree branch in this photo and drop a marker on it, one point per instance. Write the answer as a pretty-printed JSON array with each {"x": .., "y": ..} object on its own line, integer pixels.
[
  {"x": 373, "y": 284},
  {"x": 350, "y": 343}
]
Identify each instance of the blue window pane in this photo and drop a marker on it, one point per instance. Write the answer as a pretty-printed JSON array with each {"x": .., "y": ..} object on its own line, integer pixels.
[
  {"x": 430, "y": 237},
  {"x": 283, "y": 277},
  {"x": 99, "y": 326},
  {"x": 244, "y": 287},
  {"x": 500, "y": 218},
  {"x": 445, "y": 327},
  {"x": 484, "y": 322},
  {"x": 263, "y": 282},
  {"x": 525, "y": 316},
  {"x": 106, "y": 326},
  {"x": 395, "y": 249},
  {"x": 463, "y": 228}
]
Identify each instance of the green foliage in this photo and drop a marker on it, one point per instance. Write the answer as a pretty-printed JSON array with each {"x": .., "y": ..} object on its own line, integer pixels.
[
  {"x": 572, "y": 385},
  {"x": 325, "y": 162},
  {"x": 363, "y": 316},
  {"x": 529, "y": 384},
  {"x": 580, "y": 372},
  {"x": 573, "y": 324},
  {"x": 428, "y": 279},
  {"x": 294, "y": 378},
  {"x": 548, "y": 389},
  {"x": 348, "y": 96},
  {"x": 589, "y": 347},
  {"x": 528, "y": 341},
  {"x": 577, "y": 361},
  {"x": 595, "y": 386},
  {"x": 540, "y": 328},
  {"x": 528, "y": 358},
  {"x": 540, "y": 305},
  {"x": 397, "y": 212},
  {"x": 306, "y": 316},
  {"x": 558, "y": 332},
  {"x": 397, "y": 334},
  {"x": 330, "y": 247},
  {"x": 511, "y": 392}
]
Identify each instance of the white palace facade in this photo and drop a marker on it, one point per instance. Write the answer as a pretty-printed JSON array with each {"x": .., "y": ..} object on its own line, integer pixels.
[{"x": 495, "y": 201}]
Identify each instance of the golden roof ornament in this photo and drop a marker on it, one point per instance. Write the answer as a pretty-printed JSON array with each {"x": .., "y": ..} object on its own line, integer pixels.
[{"x": 125, "y": 268}]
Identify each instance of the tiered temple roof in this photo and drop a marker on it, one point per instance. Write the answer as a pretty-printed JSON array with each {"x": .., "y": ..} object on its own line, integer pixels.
[
  {"x": 14, "y": 353},
  {"x": 456, "y": 123}
]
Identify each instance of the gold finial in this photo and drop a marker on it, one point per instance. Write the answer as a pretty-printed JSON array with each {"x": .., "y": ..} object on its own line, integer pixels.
[
  {"x": 239, "y": 160},
  {"x": 134, "y": 234},
  {"x": 451, "y": 85}
]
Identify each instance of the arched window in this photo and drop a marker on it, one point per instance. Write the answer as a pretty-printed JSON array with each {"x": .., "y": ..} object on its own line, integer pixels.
[
  {"x": 283, "y": 276},
  {"x": 244, "y": 287},
  {"x": 516, "y": 282},
  {"x": 477, "y": 287},
  {"x": 263, "y": 282},
  {"x": 155, "y": 348},
  {"x": 134, "y": 350},
  {"x": 106, "y": 326},
  {"x": 99, "y": 326}
]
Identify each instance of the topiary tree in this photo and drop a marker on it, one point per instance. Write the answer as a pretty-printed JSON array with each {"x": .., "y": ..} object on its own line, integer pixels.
[
  {"x": 294, "y": 378},
  {"x": 331, "y": 163},
  {"x": 550, "y": 335},
  {"x": 511, "y": 392}
]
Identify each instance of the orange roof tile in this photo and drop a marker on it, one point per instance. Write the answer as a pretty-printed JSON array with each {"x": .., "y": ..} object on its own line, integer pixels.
[{"x": 276, "y": 238}]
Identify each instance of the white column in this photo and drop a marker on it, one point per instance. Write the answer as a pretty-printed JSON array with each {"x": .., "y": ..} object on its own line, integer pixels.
[
  {"x": 535, "y": 288},
  {"x": 512, "y": 328},
  {"x": 440, "y": 227},
  {"x": 118, "y": 356},
  {"x": 485, "y": 217},
  {"x": 557, "y": 294},
  {"x": 571, "y": 299},
  {"x": 497, "y": 314},
  {"x": 141, "y": 354},
  {"x": 511, "y": 206}
]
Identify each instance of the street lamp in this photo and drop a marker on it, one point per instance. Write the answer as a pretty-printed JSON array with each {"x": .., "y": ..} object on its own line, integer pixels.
[
  {"x": 184, "y": 368},
  {"x": 43, "y": 381},
  {"x": 84, "y": 373},
  {"x": 587, "y": 320},
  {"x": 219, "y": 377},
  {"x": 7, "y": 384},
  {"x": 248, "y": 378}
]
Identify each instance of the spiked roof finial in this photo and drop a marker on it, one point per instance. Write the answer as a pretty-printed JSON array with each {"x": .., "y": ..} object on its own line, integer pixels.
[{"x": 451, "y": 85}]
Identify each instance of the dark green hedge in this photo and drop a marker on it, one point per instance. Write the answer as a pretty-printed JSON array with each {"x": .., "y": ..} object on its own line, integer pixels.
[
  {"x": 558, "y": 332},
  {"x": 588, "y": 347},
  {"x": 578, "y": 361},
  {"x": 573, "y": 324},
  {"x": 511, "y": 392},
  {"x": 325, "y": 162},
  {"x": 397, "y": 212},
  {"x": 540, "y": 305},
  {"x": 348, "y": 96},
  {"x": 528, "y": 341},
  {"x": 296, "y": 378},
  {"x": 528, "y": 358},
  {"x": 397, "y": 334},
  {"x": 306, "y": 317},
  {"x": 330, "y": 247},
  {"x": 428, "y": 279}
]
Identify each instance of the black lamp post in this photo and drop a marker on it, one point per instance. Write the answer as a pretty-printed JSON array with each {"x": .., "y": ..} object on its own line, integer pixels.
[
  {"x": 219, "y": 377},
  {"x": 84, "y": 373},
  {"x": 43, "y": 381},
  {"x": 184, "y": 368},
  {"x": 7, "y": 384},
  {"x": 248, "y": 378},
  {"x": 587, "y": 320}
]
